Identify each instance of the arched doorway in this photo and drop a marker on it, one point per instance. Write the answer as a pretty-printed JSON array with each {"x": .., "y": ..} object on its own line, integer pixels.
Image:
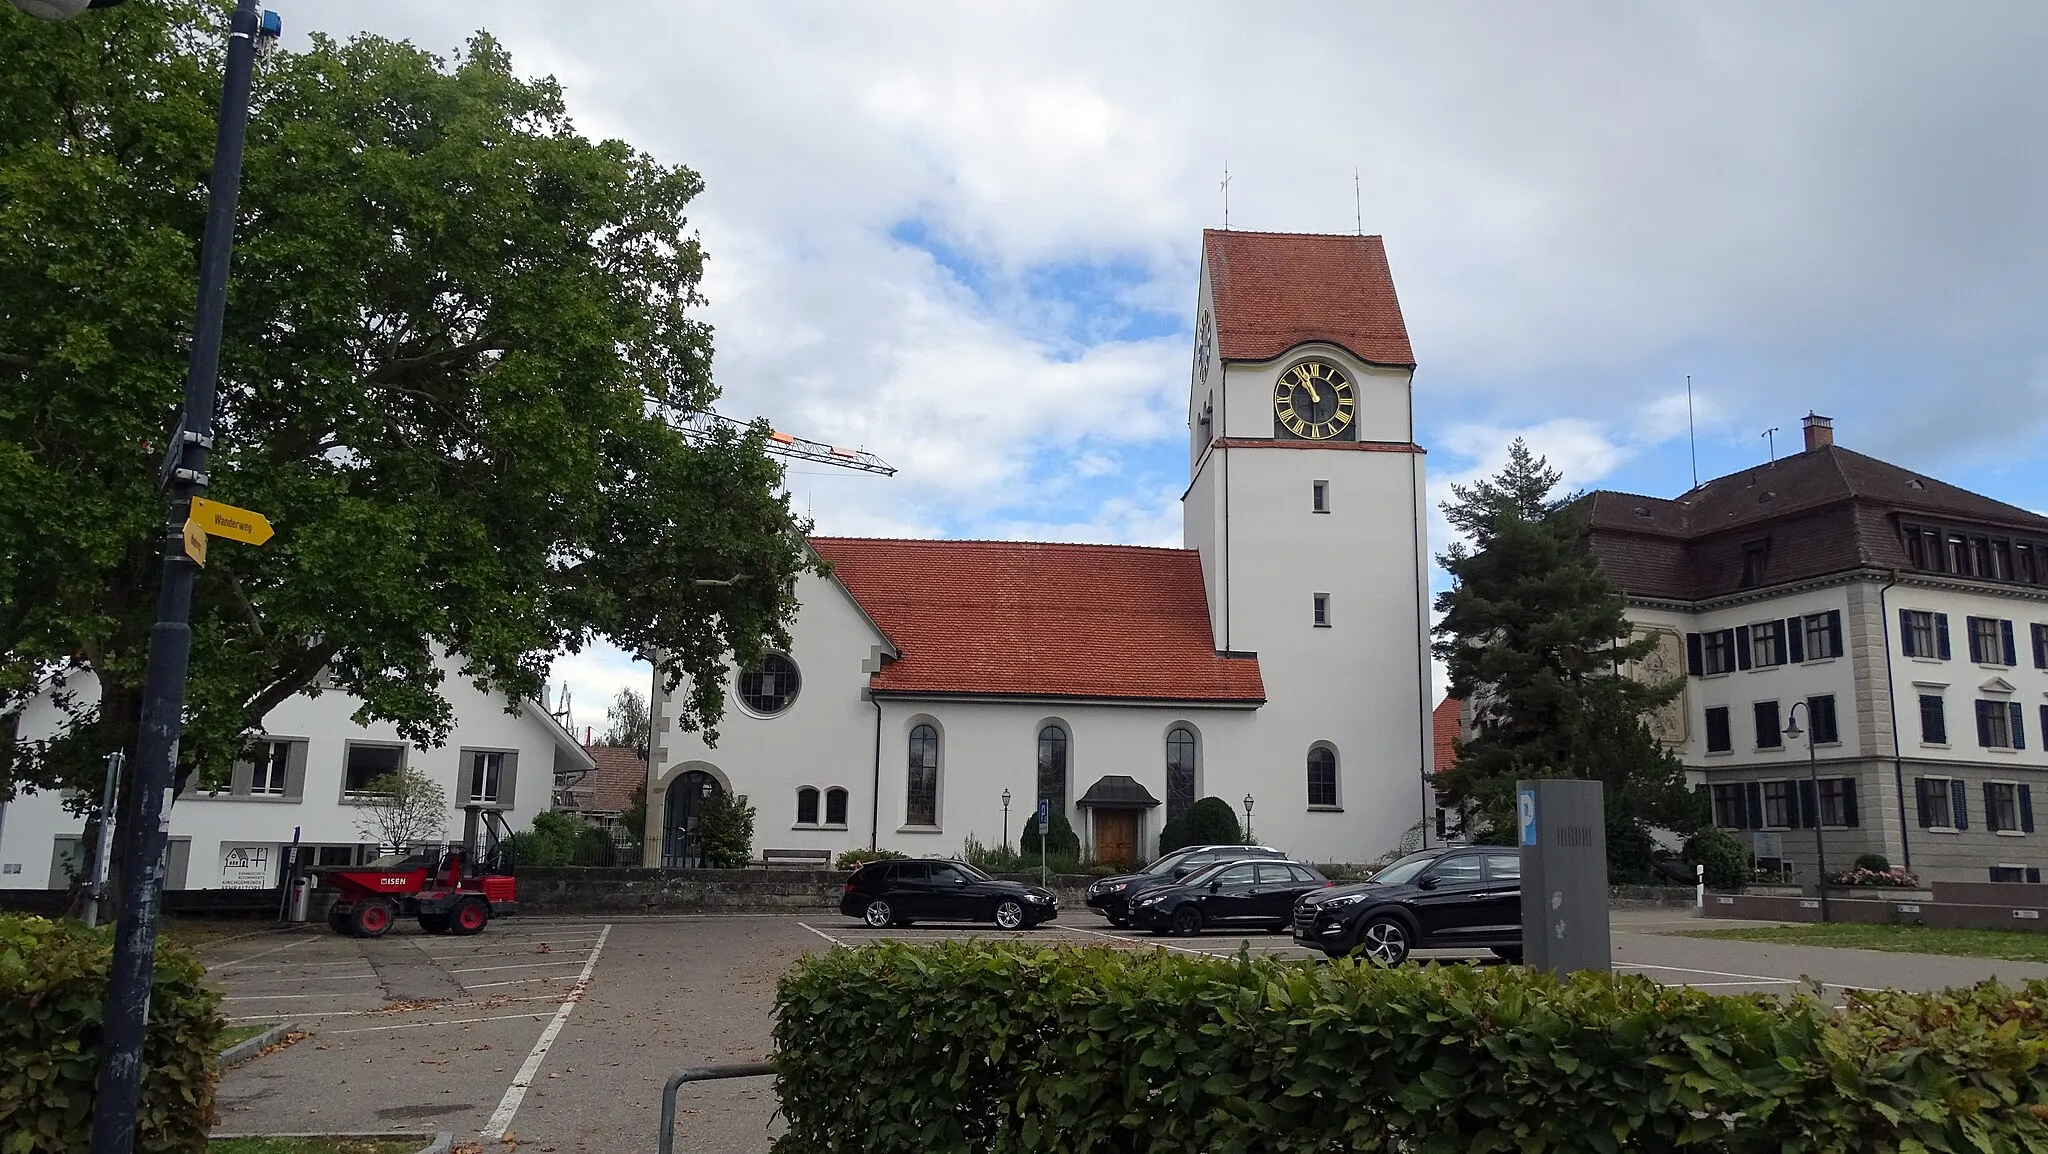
[{"x": 686, "y": 797}]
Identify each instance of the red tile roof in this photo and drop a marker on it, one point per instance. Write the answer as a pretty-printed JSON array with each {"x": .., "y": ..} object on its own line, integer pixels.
[
  {"x": 1044, "y": 620},
  {"x": 1274, "y": 290},
  {"x": 1444, "y": 721},
  {"x": 609, "y": 787}
]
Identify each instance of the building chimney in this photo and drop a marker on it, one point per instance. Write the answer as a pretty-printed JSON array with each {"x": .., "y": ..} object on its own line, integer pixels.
[{"x": 1819, "y": 431}]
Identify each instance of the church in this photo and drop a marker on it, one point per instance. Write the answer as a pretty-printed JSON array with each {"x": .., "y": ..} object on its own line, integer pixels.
[{"x": 936, "y": 690}]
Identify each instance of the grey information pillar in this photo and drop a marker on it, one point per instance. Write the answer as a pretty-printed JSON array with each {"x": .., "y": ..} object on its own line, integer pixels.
[{"x": 1563, "y": 834}]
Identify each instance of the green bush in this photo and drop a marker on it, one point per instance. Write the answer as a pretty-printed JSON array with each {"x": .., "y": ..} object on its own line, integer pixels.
[
  {"x": 853, "y": 859},
  {"x": 1211, "y": 821},
  {"x": 1724, "y": 855},
  {"x": 726, "y": 827},
  {"x": 53, "y": 981},
  {"x": 1001, "y": 1047},
  {"x": 1874, "y": 862}
]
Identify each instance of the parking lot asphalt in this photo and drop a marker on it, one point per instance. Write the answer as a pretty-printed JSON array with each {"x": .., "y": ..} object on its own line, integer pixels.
[{"x": 556, "y": 1035}]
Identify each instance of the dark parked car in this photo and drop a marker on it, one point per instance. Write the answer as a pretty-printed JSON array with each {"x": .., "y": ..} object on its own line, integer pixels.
[
  {"x": 898, "y": 893},
  {"x": 1111, "y": 897},
  {"x": 1464, "y": 897},
  {"x": 1258, "y": 893}
]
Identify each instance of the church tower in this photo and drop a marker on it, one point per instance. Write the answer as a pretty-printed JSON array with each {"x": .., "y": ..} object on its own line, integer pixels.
[{"x": 1307, "y": 505}]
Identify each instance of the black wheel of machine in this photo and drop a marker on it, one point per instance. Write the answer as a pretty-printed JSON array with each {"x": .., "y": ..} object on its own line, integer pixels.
[
  {"x": 371, "y": 919},
  {"x": 434, "y": 923},
  {"x": 469, "y": 917},
  {"x": 1187, "y": 921},
  {"x": 340, "y": 923}
]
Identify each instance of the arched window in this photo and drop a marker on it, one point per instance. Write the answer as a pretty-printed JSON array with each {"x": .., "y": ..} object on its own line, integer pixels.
[
  {"x": 1052, "y": 767},
  {"x": 835, "y": 806},
  {"x": 807, "y": 806},
  {"x": 770, "y": 688},
  {"x": 1322, "y": 776},
  {"x": 921, "y": 790},
  {"x": 1180, "y": 771}
]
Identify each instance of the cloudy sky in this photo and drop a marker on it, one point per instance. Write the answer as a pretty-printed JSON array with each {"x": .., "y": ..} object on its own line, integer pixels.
[{"x": 965, "y": 236}]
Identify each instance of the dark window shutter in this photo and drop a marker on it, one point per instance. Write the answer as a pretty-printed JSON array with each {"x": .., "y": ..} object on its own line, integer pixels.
[
  {"x": 1906, "y": 633},
  {"x": 2034, "y": 873},
  {"x": 1694, "y": 663},
  {"x": 2026, "y": 809},
  {"x": 1933, "y": 720},
  {"x": 1920, "y": 799},
  {"x": 242, "y": 776},
  {"x": 1941, "y": 636},
  {"x": 1755, "y": 790},
  {"x": 508, "y": 780},
  {"x": 1976, "y": 641},
  {"x": 1959, "y": 800},
  {"x": 1728, "y": 639},
  {"x": 295, "y": 772},
  {"x": 1795, "y": 638},
  {"x": 2012, "y": 653},
  {"x": 1984, "y": 724},
  {"x": 1834, "y": 632},
  {"x": 1849, "y": 814},
  {"x": 1990, "y": 809},
  {"x": 1742, "y": 647},
  {"x": 2019, "y": 724},
  {"x": 1809, "y": 806},
  {"x": 2040, "y": 633}
]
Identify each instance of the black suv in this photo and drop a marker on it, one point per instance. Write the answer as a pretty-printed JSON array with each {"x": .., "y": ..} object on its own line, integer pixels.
[
  {"x": 1257, "y": 893},
  {"x": 898, "y": 893},
  {"x": 1111, "y": 897},
  {"x": 1464, "y": 897}
]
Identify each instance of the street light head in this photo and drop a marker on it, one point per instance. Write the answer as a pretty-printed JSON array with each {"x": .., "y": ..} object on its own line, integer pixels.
[
  {"x": 1792, "y": 728},
  {"x": 1006, "y": 799},
  {"x": 1247, "y": 803}
]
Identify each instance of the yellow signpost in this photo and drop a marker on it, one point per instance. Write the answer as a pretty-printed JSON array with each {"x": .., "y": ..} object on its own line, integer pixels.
[
  {"x": 218, "y": 520},
  {"x": 195, "y": 542}
]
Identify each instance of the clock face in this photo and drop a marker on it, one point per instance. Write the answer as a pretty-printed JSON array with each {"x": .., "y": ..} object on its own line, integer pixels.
[
  {"x": 1313, "y": 400},
  {"x": 1205, "y": 341}
]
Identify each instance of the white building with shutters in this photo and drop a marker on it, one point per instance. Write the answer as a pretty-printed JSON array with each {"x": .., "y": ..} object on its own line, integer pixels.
[
  {"x": 1899, "y": 622},
  {"x": 308, "y": 779}
]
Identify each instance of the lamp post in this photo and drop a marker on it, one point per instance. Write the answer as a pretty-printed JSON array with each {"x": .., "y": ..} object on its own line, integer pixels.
[
  {"x": 1006, "y": 821},
  {"x": 1248, "y": 819},
  {"x": 1820, "y": 853}
]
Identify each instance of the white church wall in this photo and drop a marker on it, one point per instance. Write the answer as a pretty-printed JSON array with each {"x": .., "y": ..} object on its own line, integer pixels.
[{"x": 1381, "y": 394}]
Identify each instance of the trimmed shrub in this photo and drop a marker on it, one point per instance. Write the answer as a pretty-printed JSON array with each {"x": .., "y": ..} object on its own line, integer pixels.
[
  {"x": 853, "y": 859},
  {"x": 53, "y": 983},
  {"x": 1211, "y": 821},
  {"x": 1724, "y": 855},
  {"x": 1173, "y": 835},
  {"x": 1002, "y": 1047},
  {"x": 1874, "y": 862}
]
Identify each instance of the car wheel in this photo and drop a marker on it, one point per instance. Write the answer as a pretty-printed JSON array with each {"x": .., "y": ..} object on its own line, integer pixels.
[
  {"x": 434, "y": 923},
  {"x": 371, "y": 919},
  {"x": 878, "y": 914},
  {"x": 1009, "y": 914},
  {"x": 469, "y": 917},
  {"x": 1187, "y": 921},
  {"x": 1384, "y": 942},
  {"x": 1512, "y": 955}
]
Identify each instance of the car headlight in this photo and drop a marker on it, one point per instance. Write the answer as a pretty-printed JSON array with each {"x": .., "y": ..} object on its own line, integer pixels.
[
  {"x": 1341, "y": 903},
  {"x": 1114, "y": 887},
  {"x": 1039, "y": 898},
  {"x": 1151, "y": 901}
]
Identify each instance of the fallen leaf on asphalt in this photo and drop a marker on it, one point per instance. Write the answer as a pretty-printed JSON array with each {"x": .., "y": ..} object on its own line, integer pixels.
[{"x": 543, "y": 948}]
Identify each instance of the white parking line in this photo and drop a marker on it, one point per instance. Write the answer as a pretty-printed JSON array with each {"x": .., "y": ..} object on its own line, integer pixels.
[
  {"x": 259, "y": 954},
  {"x": 285, "y": 997},
  {"x": 501, "y": 1119},
  {"x": 244, "y": 983},
  {"x": 576, "y": 953},
  {"x": 520, "y": 982},
  {"x": 491, "y": 1001},
  {"x": 522, "y": 966},
  {"x": 532, "y": 1017},
  {"x": 1746, "y": 978},
  {"x": 821, "y": 933}
]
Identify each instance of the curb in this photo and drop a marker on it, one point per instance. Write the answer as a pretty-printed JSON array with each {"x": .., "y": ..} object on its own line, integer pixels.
[
  {"x": 248, "y": 1048},
  {"x": 441, "y": 1140}
]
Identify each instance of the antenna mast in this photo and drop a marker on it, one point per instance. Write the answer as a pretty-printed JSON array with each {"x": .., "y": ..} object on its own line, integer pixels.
[
  {"x": 1225, "y": 186},
  {"x": 1358, "y": 200},
  {"x": 1771, "y": 435},
  {"x": 1691, "y": 438}
]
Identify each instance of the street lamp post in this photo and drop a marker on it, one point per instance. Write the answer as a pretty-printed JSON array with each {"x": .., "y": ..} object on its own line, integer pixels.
[
  {"x": 1006, "y": 821},
  {"x": 1820, "y": 853},
  {"x": 1248, "y": 819}
]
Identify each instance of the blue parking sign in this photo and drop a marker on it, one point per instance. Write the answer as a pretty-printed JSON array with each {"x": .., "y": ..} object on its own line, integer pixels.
[
  {"x": 1044, "y": 813},
  {"x": 1525, "y": 814}
]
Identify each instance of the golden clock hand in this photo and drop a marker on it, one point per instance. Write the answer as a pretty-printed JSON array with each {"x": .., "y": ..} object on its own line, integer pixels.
[{"x": 1311, "y": 387}]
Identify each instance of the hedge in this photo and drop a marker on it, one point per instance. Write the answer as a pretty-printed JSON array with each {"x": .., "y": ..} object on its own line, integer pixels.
[
  {"x": 1001, "y": 1047},
  {"x": 53, "y": 981}
]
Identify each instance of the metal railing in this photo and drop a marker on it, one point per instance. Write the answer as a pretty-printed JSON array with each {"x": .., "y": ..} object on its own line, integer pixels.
[{"x": 667, "y": 1141}]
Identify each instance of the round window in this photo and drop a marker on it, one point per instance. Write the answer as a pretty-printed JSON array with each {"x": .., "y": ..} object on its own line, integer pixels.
[{"x": 770, "y": 688}]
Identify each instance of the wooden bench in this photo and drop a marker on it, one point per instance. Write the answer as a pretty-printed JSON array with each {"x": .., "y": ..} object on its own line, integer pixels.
[{"x": 808, "y": 859}]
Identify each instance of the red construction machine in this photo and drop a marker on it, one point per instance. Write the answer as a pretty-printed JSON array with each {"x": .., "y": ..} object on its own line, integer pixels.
[{"x": 456, "y": 890}]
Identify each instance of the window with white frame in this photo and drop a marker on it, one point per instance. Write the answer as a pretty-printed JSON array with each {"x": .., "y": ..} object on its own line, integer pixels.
[
  {"x": 1322, "y": 611},
  {"x": 1780, "y": 807},
  {"x": 363, "y": 764},
  {"x": 835, "y": 806},
  {"x": 1936, "y": 797},
  {"x": 921, "y": 790},
  {"x": 807, "y": 806},
  {"x": 1320, "y": 501},
  {"x": 2002, "y": 806},
  {"x": 1322, "y": 777},
  {"x": 486, "y": 776},
  {"x": 273, "y": 762},
  {"x": 1717, "y": 652},
  {"x": 1823, "y": 635},
  {"x": 1767, "y": 644}
]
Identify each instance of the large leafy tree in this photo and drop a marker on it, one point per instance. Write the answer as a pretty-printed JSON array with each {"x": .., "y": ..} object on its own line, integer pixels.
[
  {"x": 454, "y": 326},
  {"x": 1536, "y": 637}
]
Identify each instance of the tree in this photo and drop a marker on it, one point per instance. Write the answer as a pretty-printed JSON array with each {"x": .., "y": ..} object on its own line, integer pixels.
[
  {"x": 725, "y": 830},
  {"x": 1537, "y": 638},
  {"x": 627, "y": 720},
  {"x": 404, "y": 809},
  {"x": 455, "y": 328},
  {"x": 1210, "y": 821}
]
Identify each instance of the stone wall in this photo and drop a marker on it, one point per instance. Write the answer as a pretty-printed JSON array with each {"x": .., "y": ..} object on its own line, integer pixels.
[{"x": 2026, "y": 910}]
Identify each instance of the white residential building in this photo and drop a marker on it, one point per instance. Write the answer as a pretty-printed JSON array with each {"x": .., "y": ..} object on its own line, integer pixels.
[
  {"x": 1905, "y": 621},
  {"x": 1277, "y": 660},
  {"x": 307, "y": 779}
]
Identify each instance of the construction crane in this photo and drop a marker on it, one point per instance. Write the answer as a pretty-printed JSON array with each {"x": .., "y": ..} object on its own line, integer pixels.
[{"x": 703, "y": 423}]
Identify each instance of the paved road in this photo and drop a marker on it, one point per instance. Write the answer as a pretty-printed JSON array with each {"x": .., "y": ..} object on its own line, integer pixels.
[{"x": 558, "y": 1034}]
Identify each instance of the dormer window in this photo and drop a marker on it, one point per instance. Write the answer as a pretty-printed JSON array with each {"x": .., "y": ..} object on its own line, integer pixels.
[{"x": 1754, "y": 555}]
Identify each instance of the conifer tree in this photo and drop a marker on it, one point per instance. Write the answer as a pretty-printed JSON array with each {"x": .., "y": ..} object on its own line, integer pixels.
[{"x": 1535, "y": 636}]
